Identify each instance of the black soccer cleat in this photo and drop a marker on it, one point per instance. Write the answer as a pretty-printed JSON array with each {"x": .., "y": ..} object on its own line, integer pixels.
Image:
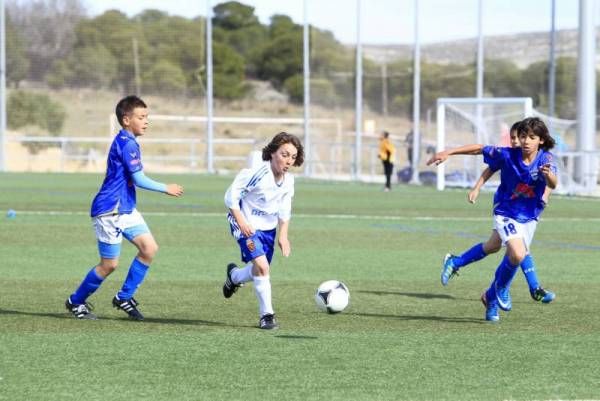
[
  {"x": 268, "y": 322},
  {"x": 80, "y": 311},
  {"x": 129, "y": 306},
  {"x": 229, "y": 287}
]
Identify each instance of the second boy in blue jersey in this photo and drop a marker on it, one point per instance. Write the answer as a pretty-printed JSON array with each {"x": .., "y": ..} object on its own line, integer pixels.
[
  {"x": 524, "y": 174},
  {"x": 114, "y": 215}
]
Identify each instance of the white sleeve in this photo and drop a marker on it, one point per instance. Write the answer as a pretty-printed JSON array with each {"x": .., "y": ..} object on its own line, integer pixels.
[
  {"x": 238, "y": 189},
  {"x": 285, "y": 211}
]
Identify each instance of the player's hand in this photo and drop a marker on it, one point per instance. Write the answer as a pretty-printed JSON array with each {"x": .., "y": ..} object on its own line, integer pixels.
[
  {"x": 285, "y": 247},
  {"x": 472, "y": 196},
  {"x": 546, "y": 170},
  {"x": 438, "y": 158},
  {"x": 246, "y": 229},
  {"x": 174, "y": 190}
]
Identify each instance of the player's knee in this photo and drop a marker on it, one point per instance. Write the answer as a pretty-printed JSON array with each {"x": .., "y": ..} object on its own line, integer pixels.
[
  {"x": 149, "y": 250},
  {"x": 106, "y": 267},
  {"x": 517, "y": 257},
  {"x": 261, "y": 270}
]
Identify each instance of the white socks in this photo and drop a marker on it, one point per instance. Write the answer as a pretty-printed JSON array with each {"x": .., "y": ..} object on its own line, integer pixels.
[
  {"x": 262, "y": 289},
  {"x": 242, "y": 275}
]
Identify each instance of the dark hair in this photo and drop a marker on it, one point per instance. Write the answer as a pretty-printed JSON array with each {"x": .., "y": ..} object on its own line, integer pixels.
[
  {"x": 515, "y": 126},
  {"x": 126, "y": 106},
  {"x": 281, "y": 139},
  {"x": 536, "y": 126},
  {"x": 386, "y": 134}
]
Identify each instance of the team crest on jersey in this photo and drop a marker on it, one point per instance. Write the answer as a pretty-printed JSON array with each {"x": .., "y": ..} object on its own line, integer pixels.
[
  {"x": 250, "y": 245},
  {"x": 523, "y": 191}
]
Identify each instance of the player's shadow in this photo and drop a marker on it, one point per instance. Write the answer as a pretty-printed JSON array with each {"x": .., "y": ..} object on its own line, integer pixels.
[
  {"x": 423, "y": 317},
  {"x": 153, "y": 320},
  {"x": 420, "y": 295},
  {"x": 296, "y": 337}
]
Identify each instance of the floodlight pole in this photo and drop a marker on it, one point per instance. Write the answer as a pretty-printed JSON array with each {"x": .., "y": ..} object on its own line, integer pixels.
[
  {"x": 414, "y": 179},
  {"x": 358, "y": 104},
  {"x": 306, "y": 97},
  {"x": 552, "y": 61},
  {"x": 585, "y": 170},
  {"x": 209, "y": 89},
  {"x": 2, "y": 88}
]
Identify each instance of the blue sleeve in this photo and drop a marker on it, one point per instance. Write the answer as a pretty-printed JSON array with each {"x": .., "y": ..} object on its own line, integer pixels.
[
  {"x": 140, "y": 180},
  {"x": 493, "y": 156},
  {"x": 132, "y": 159}
]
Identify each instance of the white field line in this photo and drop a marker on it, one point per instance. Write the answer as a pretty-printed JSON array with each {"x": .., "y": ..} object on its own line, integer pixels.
[{"x": 312, "y": 216}]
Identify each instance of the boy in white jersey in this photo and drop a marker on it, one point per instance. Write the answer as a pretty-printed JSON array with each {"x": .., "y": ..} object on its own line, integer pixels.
[{"x": 259, "y": 200}]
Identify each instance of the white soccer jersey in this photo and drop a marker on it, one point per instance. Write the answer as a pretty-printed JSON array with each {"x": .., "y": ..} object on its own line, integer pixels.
[{"x": 261, "y": 200}]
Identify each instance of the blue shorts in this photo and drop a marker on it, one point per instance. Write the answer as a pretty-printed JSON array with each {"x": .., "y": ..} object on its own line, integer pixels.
[{"x": 261, "y": 243}]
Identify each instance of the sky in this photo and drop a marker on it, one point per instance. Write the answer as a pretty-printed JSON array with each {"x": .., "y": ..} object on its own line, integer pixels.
[{"x": 384, "y": 21}]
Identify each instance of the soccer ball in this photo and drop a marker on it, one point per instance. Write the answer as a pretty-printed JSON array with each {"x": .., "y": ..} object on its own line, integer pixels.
[{"x": 332, "y": 296}]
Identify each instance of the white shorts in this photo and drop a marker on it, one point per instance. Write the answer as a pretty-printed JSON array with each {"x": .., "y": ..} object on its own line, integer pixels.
[
  {"x": 111, "y": 229},
  {"x": 508, "y": 229}
]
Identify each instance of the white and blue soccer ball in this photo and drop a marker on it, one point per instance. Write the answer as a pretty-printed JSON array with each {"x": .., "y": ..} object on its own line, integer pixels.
[{"x": 332, "y": 296}]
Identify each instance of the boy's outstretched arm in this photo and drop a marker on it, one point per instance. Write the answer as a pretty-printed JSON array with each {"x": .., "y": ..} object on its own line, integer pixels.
[
  {"x": 441, "y": 157},
  {"x": 142, "y": 181},
  {"x": 474, "y": 193}
]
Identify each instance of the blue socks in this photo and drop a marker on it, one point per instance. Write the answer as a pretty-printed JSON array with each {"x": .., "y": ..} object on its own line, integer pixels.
[
  {"x": 135, "y": 276},
  {"x": 528, "y": 268},
  {"x": 505, "y": 273},
  {"x": 472, "y": 255},
  {"x": 88, "y": 286}
]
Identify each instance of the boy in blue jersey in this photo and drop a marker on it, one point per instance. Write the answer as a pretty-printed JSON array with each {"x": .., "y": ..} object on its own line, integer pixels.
[
  {"x": 525, "y": 173},
  {"x": 260, "y": 200},
  {"x": 453, "y": 263},
  {"x": 114, "y": 215}
]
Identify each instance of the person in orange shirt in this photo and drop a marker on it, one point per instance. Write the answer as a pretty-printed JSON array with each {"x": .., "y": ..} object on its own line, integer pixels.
[{"x": 386, "y": 154}]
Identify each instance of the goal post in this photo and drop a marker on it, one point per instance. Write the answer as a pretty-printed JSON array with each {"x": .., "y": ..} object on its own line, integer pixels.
[{"x": 462, "y": 121}]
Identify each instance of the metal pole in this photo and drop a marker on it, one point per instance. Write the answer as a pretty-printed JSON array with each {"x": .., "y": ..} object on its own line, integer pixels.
[
  {"x": 480, "y": 65},
  {"x": 136, "y": 67},
  {"x": 585, "y": 170},
  {"x": 358, "y": 104},
  {"x": 209, "y": 89},
  {"x": 306, "y": 75},
  {"x": 414, "y": 179},
  {"x": 552, "y": 62},
  {"x": 384, "y": 88},
  {"x": 2, "y": 89}
]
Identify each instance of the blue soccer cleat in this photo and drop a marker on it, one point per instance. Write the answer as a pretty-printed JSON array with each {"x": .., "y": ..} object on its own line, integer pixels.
[
  {"x": 503, "y": 298},
  {"x": 491, "y": 308},
  {"x": 542, "y": 295},
  {"x": 448, "y": 269}
]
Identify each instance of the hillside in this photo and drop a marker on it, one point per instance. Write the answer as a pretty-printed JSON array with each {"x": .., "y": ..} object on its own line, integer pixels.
[{"x": 524, "y": 49}]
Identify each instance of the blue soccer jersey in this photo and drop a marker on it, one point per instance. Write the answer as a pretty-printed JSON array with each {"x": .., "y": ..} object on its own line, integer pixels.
[
  {"x": 117, "y": 194},
  {"x": 522, "y": 186}
]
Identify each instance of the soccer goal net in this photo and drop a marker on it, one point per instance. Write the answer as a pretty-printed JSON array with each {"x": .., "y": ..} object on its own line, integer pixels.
[{"x": 462, "y": 121}]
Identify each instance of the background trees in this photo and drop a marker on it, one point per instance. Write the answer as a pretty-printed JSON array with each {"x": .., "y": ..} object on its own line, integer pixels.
[{"x": 53, "y": 42}]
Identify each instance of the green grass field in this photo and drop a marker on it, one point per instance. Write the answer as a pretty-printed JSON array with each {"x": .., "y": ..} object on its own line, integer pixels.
[{"x": 404, "y": 336}]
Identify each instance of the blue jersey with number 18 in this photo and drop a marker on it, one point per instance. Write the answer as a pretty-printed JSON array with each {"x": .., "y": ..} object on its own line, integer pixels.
[{"x": 522, "y": 186}]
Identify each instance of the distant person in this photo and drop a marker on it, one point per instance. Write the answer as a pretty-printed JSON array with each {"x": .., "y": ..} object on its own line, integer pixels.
[
  {"x": 525, "y": 173},
  {"x": 260, "y": 200},
  {"x": 386, "y": 154},
  {"x": 114, "y": 215},
  {"x": 408, "y": 141},
  {"x": 452, "y": 263}
]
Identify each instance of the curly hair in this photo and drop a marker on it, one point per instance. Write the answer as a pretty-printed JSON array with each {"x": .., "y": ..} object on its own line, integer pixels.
[
  {"x": 281, "y": 139},
  {"x": 536, "y": 126}
]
